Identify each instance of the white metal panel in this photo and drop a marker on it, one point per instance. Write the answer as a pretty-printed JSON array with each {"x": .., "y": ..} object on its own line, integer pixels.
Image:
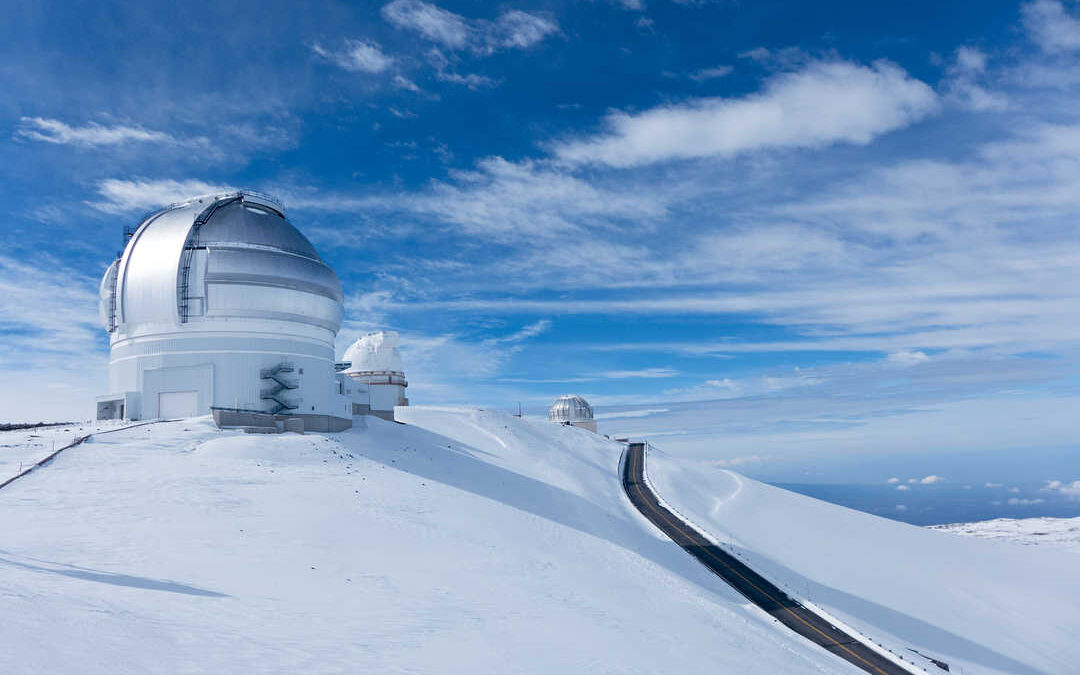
[
  {"x": 150, "y": 267},
  {"x": 264, "y": 302},
  {"x": 177, "y": 404}
]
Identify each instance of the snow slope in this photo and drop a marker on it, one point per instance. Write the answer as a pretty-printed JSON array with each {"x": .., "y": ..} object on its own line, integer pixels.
[
  {"x": 1063, "y": 533},
  {"x": 23, "y": 447},
  {"x": 988, "y": 607},
  {"x": 468, "y": 542}
]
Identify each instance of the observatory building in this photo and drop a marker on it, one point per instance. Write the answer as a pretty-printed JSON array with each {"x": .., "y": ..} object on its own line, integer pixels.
[
  {"x": 574, "y": 411},
  {"x": 218, "y": 304},
  {"x": 376, "y": 376}
]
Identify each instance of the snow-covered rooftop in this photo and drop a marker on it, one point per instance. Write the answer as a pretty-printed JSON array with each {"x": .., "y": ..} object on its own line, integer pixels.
[{"x": 375, "y": 353}]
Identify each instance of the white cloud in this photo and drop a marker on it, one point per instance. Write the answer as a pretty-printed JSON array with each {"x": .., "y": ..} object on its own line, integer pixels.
[
  {"x": 645, "y": 373},
  {"x": 357, "y": 56},
  {"x": 470, "y": 80},
  {"x": 121, "y": 196},
  {"x": 512, "y": 29},
  {"x": 1014, "y": 501},
  {"x": 907, "y": 358},
  {"x": 630, "y": 413},
  {"x": 527, "y": 332},
  {"x": 93, "y": 134},
  {"x": 930, "y": 480},
  {"x": 432, "y": 22},
  {"x": 994, "y": 485},
  {"x": 515, "y": 29},
  {"x": 711, "y": 73},
  {"x": 963, "y": 83},
  {"x": 902, "y": 488},
  {"x": 823, "y": 103},
  {"x": 1014, "y": 490},
  {"x": 402, "y": 82},
  {"x": 726, "y": 383},
  {"x": 506, "y": 200},
  {"x": 893, "y": 481},
  {"x": 1068, "y": 490},
  {"x": 1051, "y": 25}
]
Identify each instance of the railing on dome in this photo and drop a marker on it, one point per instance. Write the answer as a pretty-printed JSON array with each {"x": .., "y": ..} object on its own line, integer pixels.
[
  {"x": 380, "y": 377},
  {"x": 259, "y": 197},
  {"x": 190, "y": 246},
  {"x": 129, "y": 232}
]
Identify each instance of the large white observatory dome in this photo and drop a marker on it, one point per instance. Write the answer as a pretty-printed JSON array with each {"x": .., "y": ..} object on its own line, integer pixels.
[
  {"x": 572, "y": 410},
  {"x": 219, "y": 302}
]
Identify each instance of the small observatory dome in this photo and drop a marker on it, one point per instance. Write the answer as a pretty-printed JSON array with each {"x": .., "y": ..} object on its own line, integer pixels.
[
  {"x": 377, "y": 375},
  {"x": 220, "y": 303},
  {"x": 375, "y": 353},
  {"x": 572, "y": 410}
]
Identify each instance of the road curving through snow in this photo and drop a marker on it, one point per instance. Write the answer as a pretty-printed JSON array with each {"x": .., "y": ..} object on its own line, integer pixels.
[{"x": 743, "y": 579}]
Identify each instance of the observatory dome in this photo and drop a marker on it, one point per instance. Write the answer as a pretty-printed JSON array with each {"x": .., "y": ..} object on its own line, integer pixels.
[
  {"x": 222, "y": 256},
  {"x": 376, "y": 375},
  {"x": 375, "y": 353},
  {"x": 572, "y": 410},
  {"x": 220, "y": 302}
]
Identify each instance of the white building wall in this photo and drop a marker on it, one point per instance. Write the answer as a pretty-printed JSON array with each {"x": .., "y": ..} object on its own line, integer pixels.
[{"x": 226, "y": 368}]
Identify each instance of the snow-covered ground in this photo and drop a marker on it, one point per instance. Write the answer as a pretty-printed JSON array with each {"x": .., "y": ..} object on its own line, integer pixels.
[
  {"x": 1063, "y": 533},
  {"x": 983, "y": 606},
  {"x": 467, "y": 542}
]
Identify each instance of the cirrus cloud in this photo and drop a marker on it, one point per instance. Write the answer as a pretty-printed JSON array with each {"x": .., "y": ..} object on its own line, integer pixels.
[{"x": 91, "y": 134}]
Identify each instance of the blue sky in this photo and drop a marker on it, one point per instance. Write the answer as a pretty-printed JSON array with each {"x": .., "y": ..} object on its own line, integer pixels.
[{"x": 769, "y": 233}]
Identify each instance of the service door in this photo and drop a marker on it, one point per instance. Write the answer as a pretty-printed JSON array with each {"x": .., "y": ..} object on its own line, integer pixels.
[{"x": 177, "y": 404}]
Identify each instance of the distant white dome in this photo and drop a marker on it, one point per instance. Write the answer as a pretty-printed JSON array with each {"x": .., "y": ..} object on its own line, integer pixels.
[
  {"x": 375, "y": 353},
  {"x": 570, "y": 408}
]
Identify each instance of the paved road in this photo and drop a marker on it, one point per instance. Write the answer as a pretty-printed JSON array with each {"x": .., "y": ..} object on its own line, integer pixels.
[{"x": 756, "y": 588}]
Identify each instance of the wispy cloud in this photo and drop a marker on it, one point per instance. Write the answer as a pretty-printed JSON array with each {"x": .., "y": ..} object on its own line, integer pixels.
[
  {"x": 713, "y": 73},
  {"x": 963, "y": 82},
  {"x": 358, "y": 56},
  {"x": 430, "y": 21},
  {"x": 50, "y": 340},
  {"x": 470, "y": 80},
  {"x": 122, "y": 196},
  {"x": 525, "y": 333},
  {"x": 91, "y": 134},
  {"x": 512, "y": 29},
  {"x": 822, "y": 103},
  {"x": 402, "y": 82},
  {"x": 643, "y": 373}
]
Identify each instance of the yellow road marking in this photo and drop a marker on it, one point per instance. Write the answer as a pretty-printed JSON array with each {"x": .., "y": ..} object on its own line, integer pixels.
[{"x": 712, "y": 556}]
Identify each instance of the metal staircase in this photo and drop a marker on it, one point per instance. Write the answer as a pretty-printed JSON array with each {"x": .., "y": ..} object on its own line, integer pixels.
[{"x": 279, "y": 384}]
